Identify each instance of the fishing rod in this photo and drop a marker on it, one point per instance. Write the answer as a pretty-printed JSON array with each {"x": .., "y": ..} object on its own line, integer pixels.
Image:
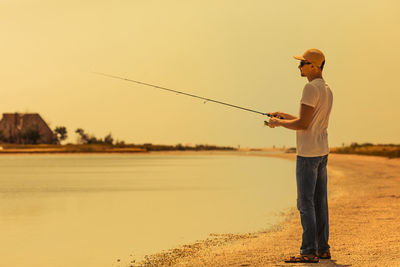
[{"x": 187, "y": 94}]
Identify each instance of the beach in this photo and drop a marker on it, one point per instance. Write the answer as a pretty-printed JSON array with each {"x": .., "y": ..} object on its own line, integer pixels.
[{"x": 364, "y": 204}]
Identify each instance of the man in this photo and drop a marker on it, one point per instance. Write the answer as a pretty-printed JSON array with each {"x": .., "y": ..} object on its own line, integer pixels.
[{"x": 312, "y": 157}]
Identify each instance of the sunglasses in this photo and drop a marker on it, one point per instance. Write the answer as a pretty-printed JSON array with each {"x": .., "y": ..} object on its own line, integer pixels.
[{"x": 302, "y": 63}]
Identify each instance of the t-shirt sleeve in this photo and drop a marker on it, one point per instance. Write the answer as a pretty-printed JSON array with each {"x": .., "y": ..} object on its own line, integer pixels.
[{"x": 310, "y": 95}]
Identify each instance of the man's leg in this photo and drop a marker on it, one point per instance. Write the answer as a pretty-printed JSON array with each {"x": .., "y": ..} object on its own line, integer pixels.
[
  {"x": 306, "y": 177},
  {"x": 321, "y": 207}
]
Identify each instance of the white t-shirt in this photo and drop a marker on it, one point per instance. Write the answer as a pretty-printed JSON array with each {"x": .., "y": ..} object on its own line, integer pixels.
[{"x": 313, "y": 142}]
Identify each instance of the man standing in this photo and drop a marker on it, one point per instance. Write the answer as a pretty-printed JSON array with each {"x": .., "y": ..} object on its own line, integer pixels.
[{"x": 312, "y": 157}]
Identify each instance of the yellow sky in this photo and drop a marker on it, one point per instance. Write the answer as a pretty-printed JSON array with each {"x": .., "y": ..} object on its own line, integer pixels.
[{"x": 234, "y": 51}]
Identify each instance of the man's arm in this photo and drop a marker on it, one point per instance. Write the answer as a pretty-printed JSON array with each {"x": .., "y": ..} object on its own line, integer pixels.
[{"x": 302, "y": 123}]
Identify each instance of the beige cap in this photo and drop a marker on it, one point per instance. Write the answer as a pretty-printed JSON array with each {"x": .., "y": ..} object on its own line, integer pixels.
[{"x": 315, "y": 56}]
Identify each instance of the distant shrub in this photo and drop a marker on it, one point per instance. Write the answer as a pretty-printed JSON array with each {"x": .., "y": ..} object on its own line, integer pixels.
[
  {"x": 84, "y": 138},
  {"x": 366, "y": 144},
  {"x": 61, "y": 133},
  {"x": 108, "y": 139},
  {"x": 386, "y": 150},
  {"x": 30, "y": 136},
  {"x": 291, "y": 150},
  {"x": 354, "y": 145}
]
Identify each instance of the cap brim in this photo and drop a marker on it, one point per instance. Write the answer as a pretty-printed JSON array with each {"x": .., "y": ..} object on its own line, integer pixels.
[{"x": 299, "y": 57}]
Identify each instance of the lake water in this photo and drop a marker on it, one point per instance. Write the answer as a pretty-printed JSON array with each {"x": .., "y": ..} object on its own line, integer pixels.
[{"x": 93, "y": 210}]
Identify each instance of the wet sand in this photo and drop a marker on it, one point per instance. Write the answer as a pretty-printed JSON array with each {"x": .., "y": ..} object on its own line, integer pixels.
[{"x": 364, "y": 207}]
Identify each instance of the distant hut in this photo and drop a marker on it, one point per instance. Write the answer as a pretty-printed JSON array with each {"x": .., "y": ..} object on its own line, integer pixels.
[{"x": 25, "y": 128}]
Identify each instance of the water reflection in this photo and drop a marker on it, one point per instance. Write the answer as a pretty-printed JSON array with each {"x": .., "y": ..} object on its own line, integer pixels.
[{"x": 89, "y": 210}]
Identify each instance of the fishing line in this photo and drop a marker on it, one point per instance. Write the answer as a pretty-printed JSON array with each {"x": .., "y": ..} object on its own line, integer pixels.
[{"x": 183, "y": 93}]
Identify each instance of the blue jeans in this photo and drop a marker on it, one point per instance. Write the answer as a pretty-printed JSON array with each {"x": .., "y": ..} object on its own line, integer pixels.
[{"x": 312, "y": 202}]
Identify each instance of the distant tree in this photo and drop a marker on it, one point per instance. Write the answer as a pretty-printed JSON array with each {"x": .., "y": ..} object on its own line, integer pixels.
[
  {"x": 93, "y": 140},
  {"x": 30, "y": 136},
  {"x": 109, "y": 139},
  {"x": 354, "y": 145},
  {"x": 120, "y": 143},
  {"x": 79, "y": 131},
  {"x": 61, "y": 133},
  {"x": 179, "y": 147},
  {"x": 84, "y": 138},
  {"x": 367, "y": 144}
]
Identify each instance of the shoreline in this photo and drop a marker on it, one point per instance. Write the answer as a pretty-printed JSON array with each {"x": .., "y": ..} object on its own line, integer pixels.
[
  {"x": 60, "y": 151},
  {"x": 364, "y": 199},
  {"x": 40, "y": 151},
  {"x": 101, "y": 148}
]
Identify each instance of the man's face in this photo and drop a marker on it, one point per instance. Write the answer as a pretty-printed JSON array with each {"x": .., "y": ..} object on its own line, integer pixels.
[{"x": 305, "y": 68}]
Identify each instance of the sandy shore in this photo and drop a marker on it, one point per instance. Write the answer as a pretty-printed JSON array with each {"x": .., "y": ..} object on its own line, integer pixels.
[{"x": 364, "y": 206}]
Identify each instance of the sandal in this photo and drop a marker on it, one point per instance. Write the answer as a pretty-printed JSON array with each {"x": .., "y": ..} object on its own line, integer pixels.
[
  {"x": 325, "y": 256},
  {"x": 304, "y": 258}
]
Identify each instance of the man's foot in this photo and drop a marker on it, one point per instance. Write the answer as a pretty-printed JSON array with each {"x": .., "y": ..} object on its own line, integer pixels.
[
  {"x": 303, "y": 258},
  {"x": 325, "y": 255}
]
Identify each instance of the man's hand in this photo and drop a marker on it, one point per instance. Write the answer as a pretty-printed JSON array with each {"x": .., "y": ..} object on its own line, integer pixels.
[
  {"x": 290, "y": 121},
  {"x": 277, "y": 114},
  {"x": 274, "y": 122},
  {"x": 282, "y": 115}
]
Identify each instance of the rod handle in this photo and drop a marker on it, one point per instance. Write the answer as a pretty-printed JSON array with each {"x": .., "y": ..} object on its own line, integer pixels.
[{"x": 276, "y": 116}]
